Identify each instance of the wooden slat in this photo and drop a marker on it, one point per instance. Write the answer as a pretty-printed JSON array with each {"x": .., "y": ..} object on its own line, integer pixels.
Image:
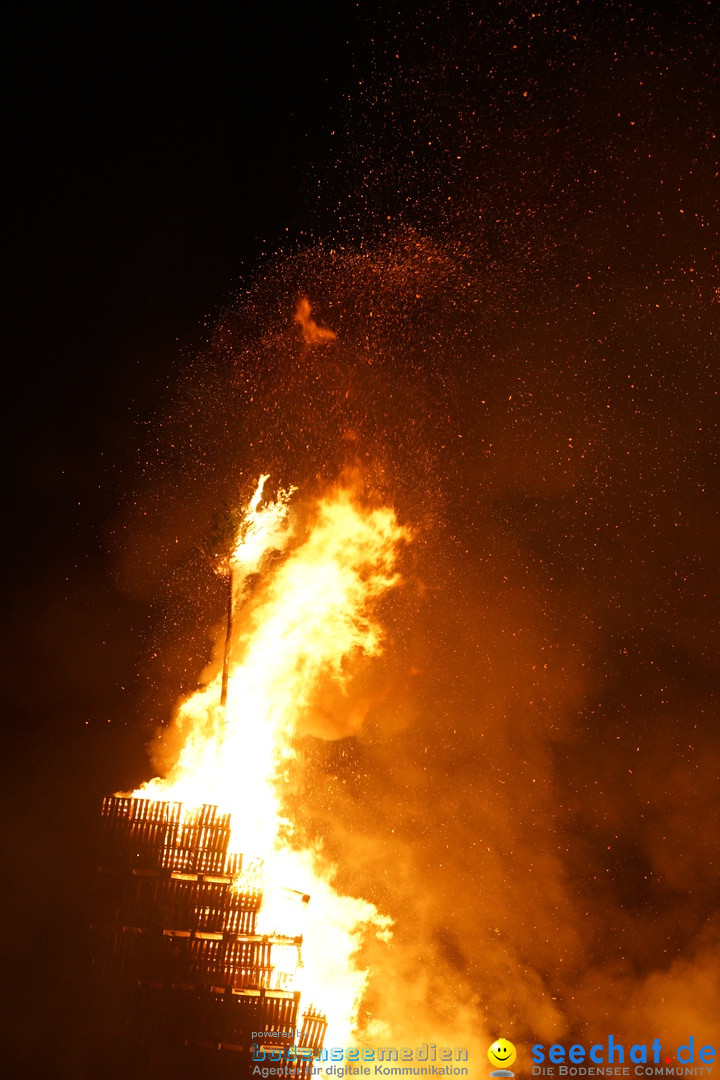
[{"x": 171, "y": 928}]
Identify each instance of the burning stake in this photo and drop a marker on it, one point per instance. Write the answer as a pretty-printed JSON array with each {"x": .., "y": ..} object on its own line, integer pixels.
[{"x": 192, "y": 933}]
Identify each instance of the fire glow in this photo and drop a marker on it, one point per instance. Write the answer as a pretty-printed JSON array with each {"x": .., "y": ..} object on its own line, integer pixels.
[{"x": 309, "y": 616}]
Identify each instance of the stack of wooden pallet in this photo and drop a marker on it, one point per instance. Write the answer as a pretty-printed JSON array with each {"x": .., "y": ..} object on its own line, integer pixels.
[{"x": 176, "y": 937}]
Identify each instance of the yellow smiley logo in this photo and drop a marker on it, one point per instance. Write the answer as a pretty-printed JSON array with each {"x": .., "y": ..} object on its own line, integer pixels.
[{"x": 501, "y": 1054}]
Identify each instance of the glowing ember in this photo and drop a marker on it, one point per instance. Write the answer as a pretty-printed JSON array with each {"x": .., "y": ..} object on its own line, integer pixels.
[{"x": 310, "y": 616}]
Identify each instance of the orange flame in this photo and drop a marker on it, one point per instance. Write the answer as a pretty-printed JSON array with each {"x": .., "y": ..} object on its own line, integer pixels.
[
  {"x": 262, "y": 529},
  {"x": 313, "y": 616},
  {"x": 312, "y": 332}
]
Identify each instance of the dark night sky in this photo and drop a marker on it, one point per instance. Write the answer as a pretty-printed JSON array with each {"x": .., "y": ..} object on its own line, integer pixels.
[
  {"x": 538, "y": 195},
  {"x": 153, "y": 155}
]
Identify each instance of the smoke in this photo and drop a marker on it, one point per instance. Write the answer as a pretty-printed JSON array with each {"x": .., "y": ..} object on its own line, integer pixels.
[{"x": 526, "y": 780}]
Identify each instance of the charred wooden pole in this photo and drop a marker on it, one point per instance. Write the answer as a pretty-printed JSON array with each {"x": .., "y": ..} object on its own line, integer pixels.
[{"x": 228, "y": 636}]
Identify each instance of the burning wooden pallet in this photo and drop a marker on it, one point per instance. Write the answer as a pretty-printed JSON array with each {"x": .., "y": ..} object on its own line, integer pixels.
[{"x": 177, "y": 936}]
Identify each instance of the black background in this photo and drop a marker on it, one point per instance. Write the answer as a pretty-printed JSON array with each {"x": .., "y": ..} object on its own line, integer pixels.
[
  {"x": 154, "y": 160},
  {"x": 152, "y": 156}
]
